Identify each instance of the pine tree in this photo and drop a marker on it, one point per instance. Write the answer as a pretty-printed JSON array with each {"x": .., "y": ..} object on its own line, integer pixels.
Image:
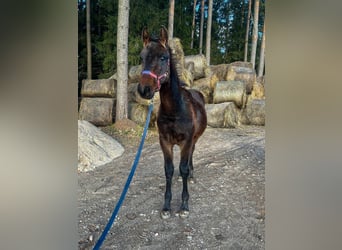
[
  {"x": 255, "y": 31},
  {"x": 122, "y": 60},
  {"x": 208, "y": 38}
]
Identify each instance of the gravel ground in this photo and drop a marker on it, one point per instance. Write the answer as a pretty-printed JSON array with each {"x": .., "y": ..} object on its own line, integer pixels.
[{"x": 226, "y": 201}]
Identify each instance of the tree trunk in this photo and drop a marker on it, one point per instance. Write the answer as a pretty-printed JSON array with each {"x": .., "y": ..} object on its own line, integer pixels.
[
  {"x": 171, "y": 18},
  {"x": 193, "y": 26},
  {"x": 247, "y": 29},
  {"x": 208, "y": 39},
  {"x": 262, "y": 52},
  {"x": 122, "y": 60},
  {"x": 89, "y": 76},
  {"x": 201, "y": 28},
  {"x": 255, "y": 31}
]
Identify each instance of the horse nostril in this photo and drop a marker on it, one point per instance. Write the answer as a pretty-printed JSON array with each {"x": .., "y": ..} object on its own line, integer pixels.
[{"x": 147, "y": 90}]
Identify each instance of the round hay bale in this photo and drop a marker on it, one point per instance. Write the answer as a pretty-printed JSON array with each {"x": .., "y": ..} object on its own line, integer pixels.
[
  {"x": 134, "y": 73},
  {"x": 190, "y": 66},
  {"x": 230, "y": 91},
  {"x": 245, "y": 74},
  {"x": 187, "y": 78},
  {"x": 242, "y": 64},
  {"x": 131, "y": 90},
  {"x": 206, "y": 92},
  {"x": 146, "y": 102},
  {"x": 184, "y": 74},
  {"x": 138, "y": 113},
  {"x": 213, "y": 80},
  {"x": 230, "y": 116},
  {"x": 98, "y": 111},
  {"x": 220, "y": 71},
  {"x": 261, "y": 80},
  {"x": 222, "y": 115},
  {"x": 177, "y": 53},
  {"x": 215, "y": 114},
  {"x": 256, "y": 111},
  {"x": 98, "y": 88},
  {"x": 201, "y": 68},
  {"x": 202, "y": 82},
  {"x": 242, "y": 117},
  {"x": 258, "y": 91}
]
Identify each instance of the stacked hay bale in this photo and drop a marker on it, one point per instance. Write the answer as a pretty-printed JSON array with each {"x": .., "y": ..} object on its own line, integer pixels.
[
  {"x": 241, "y": 97},
  {"x": 185, "y": 72},
  {"x": 233, "y": 94},
  {"x": 98, "y": 101}
]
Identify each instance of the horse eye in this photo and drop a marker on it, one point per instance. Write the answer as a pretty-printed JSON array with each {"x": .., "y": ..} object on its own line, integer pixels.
[{"x": 163, "y": 58}]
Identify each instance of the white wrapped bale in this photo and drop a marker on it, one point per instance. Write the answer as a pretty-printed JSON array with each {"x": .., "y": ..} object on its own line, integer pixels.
[
  {"x": 98, "y": 88},
  {"x": 98, "y": 111},
  {"x": 255, "y": 110},
  {"x": 241, "y": 71},
  {"x": 222, "y": 115},
  {"x": 230, "y": 91},
  {"x": 201, "y": 68}
]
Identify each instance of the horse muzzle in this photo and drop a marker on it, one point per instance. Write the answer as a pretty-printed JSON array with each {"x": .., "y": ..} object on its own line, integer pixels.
[{"x": 145, "y": 92}]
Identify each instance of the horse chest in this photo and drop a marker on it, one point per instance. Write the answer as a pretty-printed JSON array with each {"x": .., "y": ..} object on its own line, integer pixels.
[{"x": 174, "y": 130}]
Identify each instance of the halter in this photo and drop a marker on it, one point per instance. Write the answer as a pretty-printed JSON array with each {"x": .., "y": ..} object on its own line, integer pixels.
[{"x": 154, "y": 76}]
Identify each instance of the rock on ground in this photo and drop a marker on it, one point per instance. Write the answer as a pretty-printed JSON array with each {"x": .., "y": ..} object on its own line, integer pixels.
[{"x": 95, "y": 148}]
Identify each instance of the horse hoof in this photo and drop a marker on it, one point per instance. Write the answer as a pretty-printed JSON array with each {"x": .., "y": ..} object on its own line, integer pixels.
[
  {"x": 165, "y": 214},
  {"x": 184, "y": 214}
]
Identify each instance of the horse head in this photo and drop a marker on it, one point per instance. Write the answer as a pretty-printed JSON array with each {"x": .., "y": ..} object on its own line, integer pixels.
[{"x": 155, "y": 57}]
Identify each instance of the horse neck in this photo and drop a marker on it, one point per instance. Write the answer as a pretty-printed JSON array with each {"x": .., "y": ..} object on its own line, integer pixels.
[{"x": 170, "y": 92}]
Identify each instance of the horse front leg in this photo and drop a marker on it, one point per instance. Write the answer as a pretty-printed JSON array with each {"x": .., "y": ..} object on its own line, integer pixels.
[
  {"x": 169, "y": 169},
  {"x": 184, "y": 169}
]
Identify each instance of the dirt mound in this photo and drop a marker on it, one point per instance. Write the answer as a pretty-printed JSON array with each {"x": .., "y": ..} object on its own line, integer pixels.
[{"x": 125, "y": 124}]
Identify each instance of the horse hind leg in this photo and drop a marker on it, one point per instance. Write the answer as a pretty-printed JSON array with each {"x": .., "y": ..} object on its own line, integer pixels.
[
  {"x": 191, "y": 169},
  {"x": 191, "y": 166}
]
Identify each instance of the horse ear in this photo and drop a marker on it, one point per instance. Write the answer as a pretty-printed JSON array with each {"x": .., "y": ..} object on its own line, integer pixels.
[
  {"x": 163, "y": 37},
  {"x": 145, "y": 36}
]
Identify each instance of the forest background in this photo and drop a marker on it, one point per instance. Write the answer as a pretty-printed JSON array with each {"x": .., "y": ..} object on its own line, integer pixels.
[{"x": 230, "y": 23}]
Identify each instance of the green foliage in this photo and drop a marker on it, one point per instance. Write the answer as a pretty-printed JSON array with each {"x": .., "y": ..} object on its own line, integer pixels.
[{"x": 227, "y": 41}]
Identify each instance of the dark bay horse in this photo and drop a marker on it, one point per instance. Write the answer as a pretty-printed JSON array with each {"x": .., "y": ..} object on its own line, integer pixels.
[{"x": 181, "y": 117}]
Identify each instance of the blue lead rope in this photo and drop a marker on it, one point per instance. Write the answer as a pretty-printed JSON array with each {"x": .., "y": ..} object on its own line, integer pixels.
[{"x": 128, "y": 182}]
